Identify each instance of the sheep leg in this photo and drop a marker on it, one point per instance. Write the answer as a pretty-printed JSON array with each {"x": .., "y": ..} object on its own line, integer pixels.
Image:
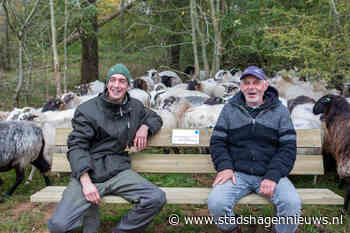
[
  {"x": 341, "y": 183},
  {"x": 19, "y": 179},
  {"x": 1, "y": 182},
  {"x": 176, "y": 150},
  {"x": 30, "y": 178},
  {"x": 347, "y": 198},
  {"x": 166, "y": 150},
  {"x": 43, "y": 166},
  {"x": 47, "y": 180}
]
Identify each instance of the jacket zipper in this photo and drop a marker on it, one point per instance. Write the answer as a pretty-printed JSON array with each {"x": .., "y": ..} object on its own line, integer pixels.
[{"x": 253, "y": 119}]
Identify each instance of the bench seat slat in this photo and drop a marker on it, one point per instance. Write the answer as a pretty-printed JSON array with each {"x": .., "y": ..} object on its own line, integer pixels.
[
  {"x": 200, "y": 195},
  {"x": 191, "y": 163}
]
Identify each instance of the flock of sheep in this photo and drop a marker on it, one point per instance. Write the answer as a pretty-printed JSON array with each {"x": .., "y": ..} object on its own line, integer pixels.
[{"x": 195, "y": 104}]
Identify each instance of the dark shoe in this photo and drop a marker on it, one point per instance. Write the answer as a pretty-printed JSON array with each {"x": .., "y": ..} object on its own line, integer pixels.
[{"x": 237, "y": 229}]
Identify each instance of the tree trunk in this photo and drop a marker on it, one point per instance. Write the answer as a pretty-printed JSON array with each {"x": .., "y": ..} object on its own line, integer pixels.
[
  {"x": 336, "y": 15},
  {"x": 7, "y": 51},
  {"x": 194, "y": 40},
  {"x": 54, "y": 49},
  {"x": 20, "y": 73},
  {"x": 217, "y": 37},
  {"x": 175, "y": 50},
  {"x": 203, "y": 43},
  {"x": 89, "y": 55},
  {"x": 122, "y": 30},
  {"x": 66, "y": 16}
]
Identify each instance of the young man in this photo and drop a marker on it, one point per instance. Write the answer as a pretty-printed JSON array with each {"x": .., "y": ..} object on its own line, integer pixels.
[
  {"x": 103, "y": 128},
  {"x": 253, "y": 148}
]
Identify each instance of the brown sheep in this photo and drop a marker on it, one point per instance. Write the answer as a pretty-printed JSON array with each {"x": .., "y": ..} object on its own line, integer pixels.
[{"x": 336, "y": 114}]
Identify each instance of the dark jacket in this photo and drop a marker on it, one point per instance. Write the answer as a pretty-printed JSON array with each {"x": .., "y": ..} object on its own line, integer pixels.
[
  {"x": 101, "y": 132},
  {"x": 261, "y": 143}
]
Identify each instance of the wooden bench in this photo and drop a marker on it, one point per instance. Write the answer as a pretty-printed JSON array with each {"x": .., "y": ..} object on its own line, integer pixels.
[{"x": 309, "y": 162}]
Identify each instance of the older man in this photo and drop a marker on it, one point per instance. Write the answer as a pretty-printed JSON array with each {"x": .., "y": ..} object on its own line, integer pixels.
[
  {"x": 253, "y": 148},
  {"x": 103, "y": 128}
]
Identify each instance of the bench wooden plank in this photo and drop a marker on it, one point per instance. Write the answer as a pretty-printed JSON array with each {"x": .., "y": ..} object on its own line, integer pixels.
[
  {"x": 200, "y": 195},
  {"x": 191, "y": 163},
  {"x": 309, "y": 162},
  {"x": 305, "y": 138}
]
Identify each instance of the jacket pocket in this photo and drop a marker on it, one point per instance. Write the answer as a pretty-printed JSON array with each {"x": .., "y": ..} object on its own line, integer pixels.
[{"x": 107, "y": 166}]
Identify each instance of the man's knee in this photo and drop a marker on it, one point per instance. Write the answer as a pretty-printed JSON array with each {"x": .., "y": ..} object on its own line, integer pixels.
[
  {"x": 290, "y": 205},
  {"x": 158, "y": 198},
  {"x": 216, "y": 204}
]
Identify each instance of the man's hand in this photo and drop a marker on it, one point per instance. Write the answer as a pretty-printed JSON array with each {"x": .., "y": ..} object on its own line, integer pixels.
[
  {"x": 267, "y": 187},
  {"x": 140, "y": 140},
  {"x": 224, "y": 176},
  {"x": 89, "y": 189}
]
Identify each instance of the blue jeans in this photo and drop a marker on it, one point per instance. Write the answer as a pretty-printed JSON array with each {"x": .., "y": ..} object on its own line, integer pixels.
[{"x": 223, "y": 197}]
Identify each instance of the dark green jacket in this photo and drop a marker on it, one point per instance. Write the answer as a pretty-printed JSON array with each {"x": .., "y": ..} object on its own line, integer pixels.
[{"x": 101, "y": 132}]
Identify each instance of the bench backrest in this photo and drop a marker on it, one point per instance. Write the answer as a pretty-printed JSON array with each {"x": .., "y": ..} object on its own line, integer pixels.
[
  {"x": 309, "y": 161},
  {"x": 306, "y": 138}
]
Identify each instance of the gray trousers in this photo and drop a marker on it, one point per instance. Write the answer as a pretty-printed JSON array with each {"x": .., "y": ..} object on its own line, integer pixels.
[{"x": 74, "y": 210}]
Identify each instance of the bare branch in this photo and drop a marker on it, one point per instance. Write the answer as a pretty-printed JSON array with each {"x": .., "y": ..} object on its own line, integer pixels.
[
  {"x": 29, "y": 18},
  {"x": 75, "y": 36},
  {"x": 12, "y": 26},
  {"x": 115, "y": 15}
]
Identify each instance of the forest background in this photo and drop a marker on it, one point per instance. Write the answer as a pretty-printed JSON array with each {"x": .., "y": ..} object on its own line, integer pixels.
[{"x": 47, "y": 47}]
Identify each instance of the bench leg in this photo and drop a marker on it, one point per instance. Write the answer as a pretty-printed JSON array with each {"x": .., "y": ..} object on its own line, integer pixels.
[{"x": 315, "y": 179}]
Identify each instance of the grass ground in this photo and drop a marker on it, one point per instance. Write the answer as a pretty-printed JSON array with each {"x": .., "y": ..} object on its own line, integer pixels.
[{"x": 19, "y": 215}]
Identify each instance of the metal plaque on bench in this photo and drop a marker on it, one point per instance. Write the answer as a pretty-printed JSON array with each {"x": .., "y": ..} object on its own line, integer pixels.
[{"x": 185, "y": 136}]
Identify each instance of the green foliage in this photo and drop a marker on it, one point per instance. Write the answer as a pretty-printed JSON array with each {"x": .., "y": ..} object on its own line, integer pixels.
[
  {"x": 308, "y": 38},
  {"x": 274, "y": 34}
]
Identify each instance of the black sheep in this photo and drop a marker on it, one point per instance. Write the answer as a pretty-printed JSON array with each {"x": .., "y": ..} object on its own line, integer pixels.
[{"x": 336, "y": 114}]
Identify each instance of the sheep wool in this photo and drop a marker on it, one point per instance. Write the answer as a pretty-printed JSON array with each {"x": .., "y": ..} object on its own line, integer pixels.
[
  {"x": 19, "y": 140},
  {"x": 22, "y": 142}
]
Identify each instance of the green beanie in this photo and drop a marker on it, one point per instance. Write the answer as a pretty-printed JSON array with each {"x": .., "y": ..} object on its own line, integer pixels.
[{"x": 119, "y": 69}]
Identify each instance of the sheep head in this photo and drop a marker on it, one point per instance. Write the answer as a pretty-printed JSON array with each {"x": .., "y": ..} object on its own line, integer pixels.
[
  {"x": 52, "y": 105},
  {"x": 140, "y": 84},
  {"x": 167, "y": 80},
  {"x": 331, "y": 106},
  {"x": 194, "y": 85}
]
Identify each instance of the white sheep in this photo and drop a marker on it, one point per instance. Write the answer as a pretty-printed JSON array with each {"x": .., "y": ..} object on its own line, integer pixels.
[
  {"x": 48, "y": 122},
  {"x": 141, "y": 95},
  {"x": 290, "y": 87},
  {"x": 303, "y": 117},
  {"x": 176, "y": 92},
  {"x": 168, "y": 78},
  {"x": 204, "y": 116},
  {"x": 149, "y": 78}
]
